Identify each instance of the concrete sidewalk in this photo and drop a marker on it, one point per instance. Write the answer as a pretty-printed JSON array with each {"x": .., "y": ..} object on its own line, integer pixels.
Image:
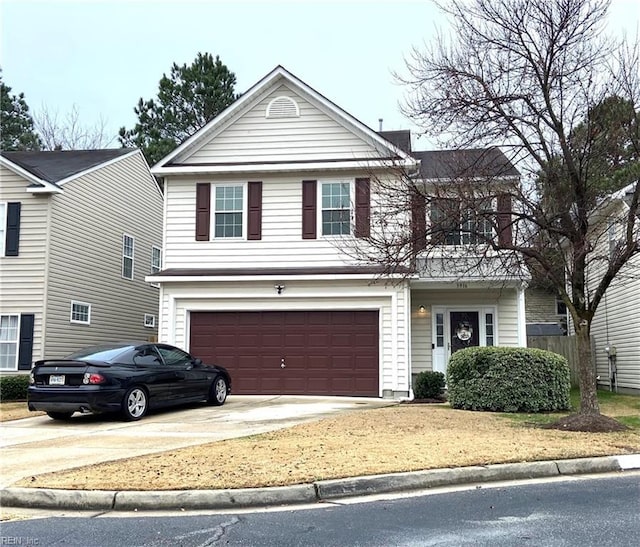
[{"x": 319, "y": 491}]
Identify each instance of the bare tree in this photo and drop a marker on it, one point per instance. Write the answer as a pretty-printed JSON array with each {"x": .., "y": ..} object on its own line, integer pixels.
[
  {"x": 540, "y": 79},
  {"x": 66, "y": 132}
]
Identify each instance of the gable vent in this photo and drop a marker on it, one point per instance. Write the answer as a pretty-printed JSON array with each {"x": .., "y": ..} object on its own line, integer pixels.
[{"x": 283, "y": 107}]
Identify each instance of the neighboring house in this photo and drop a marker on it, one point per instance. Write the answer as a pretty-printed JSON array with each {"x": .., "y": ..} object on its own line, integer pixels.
[
  {"x": 260, "y": 205},
  {"x": 79, "y": 231},
  {"x": 616, "y": 325}
]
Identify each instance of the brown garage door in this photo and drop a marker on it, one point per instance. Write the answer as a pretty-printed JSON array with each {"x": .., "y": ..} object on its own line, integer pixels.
[{"x": 292, "y": 352}]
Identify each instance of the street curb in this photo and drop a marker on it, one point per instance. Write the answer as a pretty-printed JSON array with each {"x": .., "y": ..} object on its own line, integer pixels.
[{"x": 318, "y": 491}]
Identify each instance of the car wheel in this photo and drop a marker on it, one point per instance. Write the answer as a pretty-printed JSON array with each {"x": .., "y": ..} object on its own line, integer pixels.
[
  {"x": 59, "y": 415},
  {"x": 218, "y": 391},
  {"x": 134, "y": 404}
]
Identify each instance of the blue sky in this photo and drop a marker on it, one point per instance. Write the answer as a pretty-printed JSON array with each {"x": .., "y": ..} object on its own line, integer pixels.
[{"x": 102, "y": 56}]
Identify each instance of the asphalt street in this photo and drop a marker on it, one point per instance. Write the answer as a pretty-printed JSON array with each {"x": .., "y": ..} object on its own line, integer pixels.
[{"x": 580, "y": 510}]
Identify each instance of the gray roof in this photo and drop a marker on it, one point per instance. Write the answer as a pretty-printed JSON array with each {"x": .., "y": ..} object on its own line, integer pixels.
[
  {"x": 401, "y": 138},
  {"x": 471, "y": 163},
  {"x": 57, "y": 165}
]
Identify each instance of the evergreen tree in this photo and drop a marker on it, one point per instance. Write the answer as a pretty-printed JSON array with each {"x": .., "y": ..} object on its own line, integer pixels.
[
  {"x": 16, "y": 124},
  {"x": 187, "y": 100}
]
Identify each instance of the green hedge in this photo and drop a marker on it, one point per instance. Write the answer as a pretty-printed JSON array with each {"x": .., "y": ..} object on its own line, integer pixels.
[
  {"x": 429, "y": 385},
  {"x": 508, "y": 380},
  {"x": 14, "y": 388}
]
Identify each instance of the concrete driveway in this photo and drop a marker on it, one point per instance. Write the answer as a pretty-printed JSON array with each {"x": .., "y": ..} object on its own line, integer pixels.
[{"x": 39, "y": 445}]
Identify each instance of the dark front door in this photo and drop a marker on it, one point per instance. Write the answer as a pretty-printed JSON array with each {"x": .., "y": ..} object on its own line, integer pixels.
[
  {"x": 464, "y": 329},
  {"x": 292, "y": 352}
]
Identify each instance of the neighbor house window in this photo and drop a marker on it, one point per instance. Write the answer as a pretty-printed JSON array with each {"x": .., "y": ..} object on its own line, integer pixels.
[
  {"x": 80, "y": 313},
  {"x": 156, "y": 262},
  {"x": 3, "y": 226},
  {"x": 561, "y": 307},
  {"x": 127, "y": 257},
  {"x": 149, "y": 320},
  {"x": 336, "y": 208},
  {"x": 228, "y": 207},
  {"x": 9, "y": 327}
]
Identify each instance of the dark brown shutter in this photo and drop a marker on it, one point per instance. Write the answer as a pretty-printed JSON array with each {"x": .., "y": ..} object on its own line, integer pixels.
[
  {"x": 504, "y": 219},
  {"x": 25, "y": 346},
  {"x": 309, "y": 216},
  {"x": 363, "y": 207},
  {"x": 12, "y": 237},
  {"x": 254, "y": 200},
  {"x": 203, "y": 211},
  {"x": 418, "y": 221}
]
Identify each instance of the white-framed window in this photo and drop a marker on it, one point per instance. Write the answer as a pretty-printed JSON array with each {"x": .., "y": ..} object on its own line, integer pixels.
[
  {"x": 3, "y": 226},
  {"x": 127, "y": 256},
  {"x": 156, "y": 259},
  {"x": 335, "y": 201},
  {"x": 9, "y": 337},
  {"x": 80, "y": 313},
  {"x": 489, "y": 328},
  {"x": 156, "y": 262},
  {"x": 149, "y": 320},
  {"x": 457, "y": 225},
  {"x": 228, "y": 205}
]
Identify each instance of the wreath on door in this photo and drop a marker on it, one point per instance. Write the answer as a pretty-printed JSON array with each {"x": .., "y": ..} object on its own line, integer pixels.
[{"x": 464, "y": 332}]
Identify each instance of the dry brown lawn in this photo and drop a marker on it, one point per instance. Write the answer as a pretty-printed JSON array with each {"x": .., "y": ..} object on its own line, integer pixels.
[
  {"x": 15, "y": 411},
  {"x": 386, "y": 440}
]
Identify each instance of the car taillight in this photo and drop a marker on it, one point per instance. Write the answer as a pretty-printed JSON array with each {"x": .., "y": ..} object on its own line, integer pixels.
[
  {"x": 93, "y": 378},
  {"x": 32, "y": 378}
]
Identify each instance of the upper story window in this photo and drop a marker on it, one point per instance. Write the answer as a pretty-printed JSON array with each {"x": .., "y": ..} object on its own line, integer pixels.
[
  {"x": 9, "y": 332},
  {"x": 156, "y": 259},
  {"x": 335, "y": 198},
  {"x": 127, "y": 256},
  {"x": 228, "y": 210},
  {"x": 452, "y": 224}
]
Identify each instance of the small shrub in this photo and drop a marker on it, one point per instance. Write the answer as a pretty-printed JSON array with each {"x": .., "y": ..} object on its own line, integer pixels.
[
  {"x": 429, "y": 385},
  {"x": 508, "y": 380},
  {"x": 14, "y": 388}
]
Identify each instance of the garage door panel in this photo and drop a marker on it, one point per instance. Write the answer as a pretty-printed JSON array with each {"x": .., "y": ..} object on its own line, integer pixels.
[{"x": 325, "y": 352}]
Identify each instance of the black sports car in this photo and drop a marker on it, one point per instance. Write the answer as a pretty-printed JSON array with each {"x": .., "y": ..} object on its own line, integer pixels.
[{"x": 128, "y": 378}]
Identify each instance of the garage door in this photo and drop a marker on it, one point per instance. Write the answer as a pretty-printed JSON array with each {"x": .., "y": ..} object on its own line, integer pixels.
[{"x": 292, "y": 352}]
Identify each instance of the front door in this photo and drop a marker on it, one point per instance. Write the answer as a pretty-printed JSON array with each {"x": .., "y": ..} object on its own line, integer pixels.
[{"x": 464, "y": 329}]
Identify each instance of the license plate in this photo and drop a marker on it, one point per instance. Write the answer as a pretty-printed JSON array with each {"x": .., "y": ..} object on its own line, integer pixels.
[{"x": 56, "y": 380}]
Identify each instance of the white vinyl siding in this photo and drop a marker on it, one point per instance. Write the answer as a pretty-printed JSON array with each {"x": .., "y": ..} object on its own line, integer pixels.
[
  {"x": 127, "y": 256},
  {"x": 617, "y": 324},
  {"x": 86, "y": 255},
  {"x": 502, "y": 303},
  {"x": 391, "y": 301},
  {"x": 281, "y": 241},
  {"x": 253, "y": 137},
  {"x": 9, "y": 337},
  {"x": 80, "y": 313},
  {"x": 23, "y": 277}
]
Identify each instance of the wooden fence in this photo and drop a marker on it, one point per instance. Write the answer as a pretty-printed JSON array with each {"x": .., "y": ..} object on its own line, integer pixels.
[{"x": 564, "y": 345}]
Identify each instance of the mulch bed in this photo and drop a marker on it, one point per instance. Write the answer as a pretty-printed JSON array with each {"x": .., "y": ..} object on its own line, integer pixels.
[{"x": 589, "y": 423}]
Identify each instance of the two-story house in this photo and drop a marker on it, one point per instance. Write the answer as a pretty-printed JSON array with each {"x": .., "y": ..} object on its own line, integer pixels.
[
  {"x": 79, "y": 231},
  {"x": 260, "y": 206}
]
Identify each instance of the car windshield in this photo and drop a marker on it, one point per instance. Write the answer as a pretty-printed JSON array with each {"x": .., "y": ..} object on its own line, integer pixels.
[{"x": 100, "y": 353}]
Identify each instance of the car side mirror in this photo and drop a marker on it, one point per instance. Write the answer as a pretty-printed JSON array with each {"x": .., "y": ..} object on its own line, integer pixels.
[{"x": 197, "y": 362}]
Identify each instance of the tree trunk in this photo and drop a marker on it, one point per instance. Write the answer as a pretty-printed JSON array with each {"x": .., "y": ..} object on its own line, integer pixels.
[{"x": 586, "y": 373}]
